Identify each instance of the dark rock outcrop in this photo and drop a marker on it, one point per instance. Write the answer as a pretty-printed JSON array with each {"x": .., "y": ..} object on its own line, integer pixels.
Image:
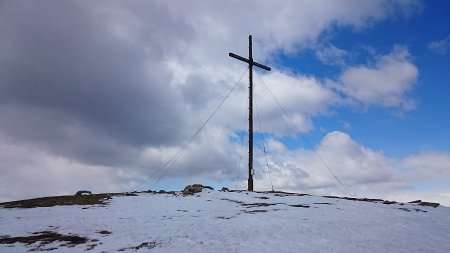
[
  {"x": 423, "y": 203},
  {"x": 195, "y": 188}
]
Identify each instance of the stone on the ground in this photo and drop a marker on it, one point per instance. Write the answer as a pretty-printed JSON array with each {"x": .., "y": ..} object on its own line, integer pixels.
[
  {"x": 195, "y": 188},
  {"x": 81, "y": 193}
]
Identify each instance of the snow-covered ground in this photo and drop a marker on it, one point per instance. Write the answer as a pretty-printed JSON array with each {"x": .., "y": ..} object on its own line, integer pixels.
[{"x": 214, "y": 221}]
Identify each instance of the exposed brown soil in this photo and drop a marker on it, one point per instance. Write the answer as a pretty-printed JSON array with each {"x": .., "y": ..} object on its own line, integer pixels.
[
  {"x": 44, "y": 238},
  {"x": 387, "y": 202},
  {"x": 284, "y": 194},
  {"x": 251, "y": 205},
  {"x": 234, "y": 201},
  {"x": 146, "y": 245},
  {"x": 104, "y": 232},
  {"x": 413, "y": 209},
  {"x": 254, "y": 211},
  {"x": 355, "y": 199},
  {"x": 94, "y": 199},
  {"x": 304, "y": 206},
  {"x": 225, "y": 218}
]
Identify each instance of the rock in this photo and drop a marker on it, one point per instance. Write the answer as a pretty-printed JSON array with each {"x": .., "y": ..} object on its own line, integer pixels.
[
  {"x": 225, "y": 189},
  {"x": 81, "y": 193},
  {"x": 429, "y": 204},
  {"x": 423, "y": 203},
  {"x": 195, "y": 188},
  {"x": 191, "y": 189},
  {"x": 208, "y": 187}
]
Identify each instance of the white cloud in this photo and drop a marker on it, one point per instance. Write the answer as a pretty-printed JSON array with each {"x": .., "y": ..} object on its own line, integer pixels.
[
  {"x": 429, "y": 164},
  {"x": 440, "y": 46},
  {"x": 364, "y": 171},
  {"x": 355, "y": 164},
  {"x": 387, "y": 83},
  {"x": 331, "y": 55},
  {"x": 301, "y": 97},
  {"x": 220, "y": 27},
  {"x": 275, "y": 146}
]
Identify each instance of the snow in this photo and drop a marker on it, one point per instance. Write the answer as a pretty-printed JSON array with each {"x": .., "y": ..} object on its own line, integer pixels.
[{"x": 214, "y": 221}]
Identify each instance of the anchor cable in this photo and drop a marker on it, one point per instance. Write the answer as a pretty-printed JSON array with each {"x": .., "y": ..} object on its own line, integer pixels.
[
  {"x": 304, "y": 137},
  {"x": 168, "y": 165},
  {"x": 242, "y": 146},
  {"x": 263, "y": 144}
]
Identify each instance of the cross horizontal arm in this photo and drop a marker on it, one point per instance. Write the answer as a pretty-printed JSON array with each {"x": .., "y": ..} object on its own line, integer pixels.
[
  {"x": 247, "y": 61},
  {"x": 261, "y": 66},
  {"x": 239, "y": 57}
]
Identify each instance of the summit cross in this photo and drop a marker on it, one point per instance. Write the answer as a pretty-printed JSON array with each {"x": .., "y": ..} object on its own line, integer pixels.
[{"x": 251, "y": 63}]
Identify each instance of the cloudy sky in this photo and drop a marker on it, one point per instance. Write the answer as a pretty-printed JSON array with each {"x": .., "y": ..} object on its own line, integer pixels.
[{"x": 99, "y": 95}]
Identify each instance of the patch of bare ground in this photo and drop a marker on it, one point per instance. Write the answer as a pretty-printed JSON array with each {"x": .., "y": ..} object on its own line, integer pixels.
[
  {"x": 145, "y": 245},
  {"x": 423, "y": 203},
  {"x": 225, "y": 218},
  {"x": 299, "y": 205},
  {"x": 413, "y": 209},
  {"x": 251, "y": 205},
  {"x": 104, "y": 232},
  {"x": 254, "y": 211},
  {"x": 234, "y": 201},
  {"x": 44, "y": 238},
  {"x": 284, "y": 194},
  {"x": 94, "y": 199},
  {"x": 385, "y": 202},
  {"x": 356, "y": 199}
]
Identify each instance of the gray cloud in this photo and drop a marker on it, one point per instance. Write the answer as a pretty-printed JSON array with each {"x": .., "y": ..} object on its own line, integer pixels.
[{"x": 66, "y": 77}]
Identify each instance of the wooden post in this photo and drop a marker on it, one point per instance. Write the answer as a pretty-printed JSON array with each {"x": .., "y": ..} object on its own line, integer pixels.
[{"x": 251, "y": 63}]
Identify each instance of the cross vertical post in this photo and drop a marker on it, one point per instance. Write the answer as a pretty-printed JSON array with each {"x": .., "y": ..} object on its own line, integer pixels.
[{"x": 251, "y": 63}]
